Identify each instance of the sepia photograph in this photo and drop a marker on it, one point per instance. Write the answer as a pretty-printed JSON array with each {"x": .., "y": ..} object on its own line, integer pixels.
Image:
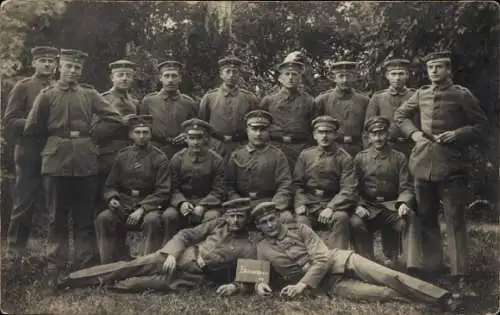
[{"x": 249, "y": 157}]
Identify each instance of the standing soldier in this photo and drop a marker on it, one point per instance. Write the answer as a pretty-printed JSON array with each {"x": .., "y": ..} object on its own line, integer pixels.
[
  {"x": 28, "y": 191},
  {"x": 62, "y": 115},
  {"x": 122, "y": 75},
  {"x": 346, "y": 105},
  {"x": 384, "y": 103},
  {"x": 259, "y": 170},
  {"x": 169, "y": 108},
  {"x": 197, "y": 181},
  {"x": 292, "y": 111},
  {"x": 451, "y": 119},
  {"x": 325, "y": 184},
  {"x": 225, "y": 107},
  {"x": 386, "y": 198},
  {"x": 136, "y": 190}
]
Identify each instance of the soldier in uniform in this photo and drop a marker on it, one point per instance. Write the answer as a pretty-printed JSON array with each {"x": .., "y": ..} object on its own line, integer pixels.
[
  {"x": 451, "y": 119},
  {"x": 136, "y": 191},
  {"x": 197, "y": 174},
  {"x": 386, "y": 198},
  {"x": 385, "y": 102},
  {"x": 207, "y": 251},
  {"x": 169, "y": 108},
  {"x": 325, "y": 184},
  {"x": 122, "y": 75},
  {"x": 346, "y": 105},
  {"x": 260, "y": 170},
  {"x": 62, "y": 115},
  {"x": 301, "y": 261},
  {"x": 292, "y": 111},
  {"x": 28, "y": 190},
  {"x": 225, "y": 107}
]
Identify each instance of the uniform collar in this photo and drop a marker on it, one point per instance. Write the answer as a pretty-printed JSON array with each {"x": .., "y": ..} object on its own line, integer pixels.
[
  {"x": 44, "y": 79},
  {"x": 170, "y": 95},
  {"x": 282, "y": 233},
  {"x": 442, "y": 86},
  {"x": 343, "y": 93},
  {"x": 226, "y": 91},
  {"x": 395, "y": 92},
  {"x": 120, "y": 93},
  {"x": 250, "y": 148},
  {"x": 328, "y": 151},
  {"x": 197, "y": 157},
  {"x": 65, "y": 86},
  {"x": 289, "y": 94},
  {"x": 381, "y": 154}
]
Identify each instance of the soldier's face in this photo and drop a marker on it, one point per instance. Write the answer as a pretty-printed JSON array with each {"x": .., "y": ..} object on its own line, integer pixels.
[
  {"x": 122, "y": 79},
  {"x": 289, "y": 79},
  {"x": 258, "y": 135},
  {"x": 141, "y": 135},
  {"x": 397, "y": 78},
  {"x": 324, "y": 136},
  {"x": 230, "y": 75},
  {"x": 44, "y": 65},
  {"x": 70, "y": 71},
  {"x": 269, "y": 224},
  {"x": 236, "y": 220},
  {"x": 196, "y": 140},
  {"x": 438, "y": 71},
  {"x": 171, "y": 79},
  {"x": 343, "y": 80},
  {"x": 378, "y": 138}
]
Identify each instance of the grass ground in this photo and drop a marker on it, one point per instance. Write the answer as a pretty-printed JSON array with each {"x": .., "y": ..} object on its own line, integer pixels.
[{"x": 23, "y": 293}]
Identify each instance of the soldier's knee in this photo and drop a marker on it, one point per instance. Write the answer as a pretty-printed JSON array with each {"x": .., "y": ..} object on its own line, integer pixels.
[
  {"x": 357, "y": 223},
  {"x": 302, "y": 219},
  {"x": 341, "y": 218},
  {"x": 152, "y": 219},
  {"x": 210, "y": 215},
  {"x": 170, "y": 215},
  {"x": 287, "y": 217},
  {"x": 105, "y": 219}
]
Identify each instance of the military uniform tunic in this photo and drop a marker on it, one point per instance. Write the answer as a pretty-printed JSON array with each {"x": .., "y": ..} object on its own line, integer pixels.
[
  {"x": 349, "y": 108},
  {"x": 169, "y": 111}
]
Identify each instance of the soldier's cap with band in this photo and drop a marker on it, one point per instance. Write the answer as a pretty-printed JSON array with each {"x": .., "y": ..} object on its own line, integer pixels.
[
  {"x": 230, "y": 61},
  {"x": 44, "y": 51},
  {"x": 325, "y": 121},
  {"x": 140, "y": 121},
  {"x": 262, "y": 209},
  {"x": 377, "y": 123},
  {"x": 438, "y": 57},
  {"x": 169, "y": 65},
  {"x": 396, "y": 64},
  {"x": 259, "y": 117},
  {"x": 122, "y": 65},
  {"x": 291, "y": 65},
  {"x": 73, "y": 55},
  {"x": 344, "y": 66},
  {"x": 195, "y": 125},
  {"x": 238, "y": 205}
]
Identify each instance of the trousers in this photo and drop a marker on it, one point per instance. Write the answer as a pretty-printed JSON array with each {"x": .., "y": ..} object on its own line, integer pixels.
[{"x": 340, "y": 232}]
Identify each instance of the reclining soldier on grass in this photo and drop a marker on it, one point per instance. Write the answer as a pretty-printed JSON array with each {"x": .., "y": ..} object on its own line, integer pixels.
[
  {"x": 207, "y": 252},
  {"x": 300, "y": 260}
]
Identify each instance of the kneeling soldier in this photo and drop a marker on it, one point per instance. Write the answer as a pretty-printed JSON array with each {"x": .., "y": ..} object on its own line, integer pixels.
[
  {"x": 325, "y": 184},
  {"x": 136, "y": 189},
  {"x": 197, "y": 175},
  {"x": 386, "y": 197}
]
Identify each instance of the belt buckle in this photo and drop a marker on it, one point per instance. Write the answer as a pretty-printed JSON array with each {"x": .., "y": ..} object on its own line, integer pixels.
[
  {"x": 74, "y": 134},
  {"x": 287, "y": 139},
  {"x": 252, "y": 195},
  {"x": 134, "y": 192},
  {"x": 347, "y": 139},
  {"x": 378, "y": 198},
  {"x": 228, "y": 138},
  {"x": 318, "y": 192}
]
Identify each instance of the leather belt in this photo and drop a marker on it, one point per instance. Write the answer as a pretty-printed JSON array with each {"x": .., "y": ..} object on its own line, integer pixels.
[
  {"x": 71, "y": 134},
  {"x": 290, "y": 139},
  {"x": 133, "y": 192},
  {"x": 320, "y": 192},
  {"x": 260, "y": 194}
]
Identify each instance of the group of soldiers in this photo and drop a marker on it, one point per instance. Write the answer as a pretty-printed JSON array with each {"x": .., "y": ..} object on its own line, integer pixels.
[{"x": 190, "y": 176}]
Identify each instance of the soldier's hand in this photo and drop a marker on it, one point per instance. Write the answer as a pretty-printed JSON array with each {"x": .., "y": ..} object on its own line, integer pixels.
[
  {"x": 362, "y": 211},
  {"x": 181, "y": 138},
  {"x": 114, "y": 203},
  {"x": 418, "y": 136},
  {"x": 197, "y": 214},
  {"x": 135, "y": 216},
  {"x": 300, "y": 210},
  {"x": 186, "y": 208},
  {"x": 293, "y": 290},
  {"x": 403, "y": 210},
  {"x": 325, "y": 215},
  {"x": 263, "y": 289},
  {"x": 446, "y": 137},
  {"x": 227, "y": 289},
  {"x": 169, "y": 265}
]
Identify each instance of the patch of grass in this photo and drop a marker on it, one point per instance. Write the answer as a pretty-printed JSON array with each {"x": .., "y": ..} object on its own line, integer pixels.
[{"x": 24, "y": 293}]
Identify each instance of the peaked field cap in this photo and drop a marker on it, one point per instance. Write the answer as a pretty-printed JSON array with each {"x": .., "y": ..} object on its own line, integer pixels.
[
  {"x": 169, "y": 64},
  {"x": 44, "y": 51},
  {"x": 263, "y": 209},
  {"x": 238, "y": 205},
  {"x": 344, "y": 66},
  {"x": 73, "y": 55},
  {"x": 393, "y": 64},
  {"x": 196, "y": 124},
  {"x": 291, "y": 65},
  {"x": 230, "y": 61},
  {"x": 121, "y": 65},
  {"x": 325, "y": 121},
  {"x": 259, "y": 117},
  {"x": 438, "y": 56},
  {"x": 140, "y": 121},
  {"x": 377, "y": 123}
]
